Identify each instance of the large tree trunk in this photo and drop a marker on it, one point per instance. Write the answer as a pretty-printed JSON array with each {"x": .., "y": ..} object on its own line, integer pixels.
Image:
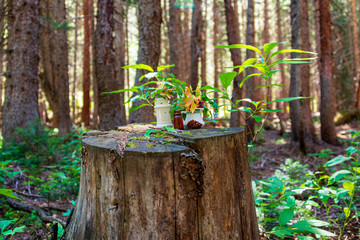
[
  {"x": 149, "y": 23},
  {"x": 233, "y": 34},
  {"x": 54, "y": 56},
  {"x": 305, "y": 71},
  {"x": 2, "y": 44},
  {"x": 175, "y": 40},
  {"x": 216, "y": 14},
  {"x": 203, "y": 48},
  {"x": 250, "y": 85},
  {"x": 157, "y": 191},
  {"x": 356, "y": 52},
  {"x": 109, "y": 104},
  {"x": 195, "y": 44},
  {"x": 328, "y": 103},
  {"x": 95, "y": 117},
  {"x": 186, "y": 45},
  {"x": 120, "y": 54},
  {"x": 21, "y": 88},
  {"x": 85, "y": 113}
]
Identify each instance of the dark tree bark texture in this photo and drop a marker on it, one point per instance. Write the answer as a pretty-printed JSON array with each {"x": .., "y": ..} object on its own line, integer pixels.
[
  {"x": 149, "y": 23},
  {"x": 195, "y": 47},
  {"x": 109, "y": 104},
  {"x": 233, "y": 33},
  {"x": 21, "y": 87},
  {"x": 136, "y": 189},
  {"x": 328, "y": 101}
]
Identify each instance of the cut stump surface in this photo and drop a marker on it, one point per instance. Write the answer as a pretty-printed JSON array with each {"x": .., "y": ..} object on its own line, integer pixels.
[{"x": 189, "y": 185}]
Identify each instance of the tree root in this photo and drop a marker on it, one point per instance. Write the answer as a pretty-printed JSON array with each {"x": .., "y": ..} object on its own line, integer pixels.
[{"x": 40, "y": 212}]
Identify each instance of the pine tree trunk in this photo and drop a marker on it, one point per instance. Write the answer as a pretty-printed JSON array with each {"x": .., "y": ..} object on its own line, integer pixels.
[
  {"x": 176, "y": 44},
  {"x": 73, "y": 94},
  {"x": 233, "y": 34},
  {"x": 195, "y": 47},
  {"x": 305, "y": 71},
  {"x": 106, "y": 80},
  {"x": 120, "y": 55},
  {"x": 95, "y": 118},
  {"x": 203, "y": 48},
  {"x": 216, "y": 14},
  {"x": 156, "y": 191},
  {"x": 356, "y": 53},
  {"x": 250, "y": 85},
  {"x": 21, "y": 87},
  {"x": 186, "y": 42},
  {"x": 328, "y": 101},
  {"x": 149, "y": 23},
  {"x": 85, "y": 113}
]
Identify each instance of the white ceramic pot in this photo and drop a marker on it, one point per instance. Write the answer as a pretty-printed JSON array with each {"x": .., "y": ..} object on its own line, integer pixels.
[
  {"x": 194, "y": 119},
  {"x": 162, "y": 108}
]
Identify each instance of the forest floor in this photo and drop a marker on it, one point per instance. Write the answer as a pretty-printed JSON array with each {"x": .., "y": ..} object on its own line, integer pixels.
[{"x": 270, "y": 153}]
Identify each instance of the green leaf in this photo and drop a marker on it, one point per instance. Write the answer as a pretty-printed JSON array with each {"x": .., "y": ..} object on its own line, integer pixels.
[
  {"x": 210, "y": 88},
  {"x": 257, "y": 118},
  {"x": 287, "y": 99},
  {"x": 227, "y": 78},
  {"x": 150, "y": 131},
  {"x": 12, "y": 232},
  {"x": 349, "y": 186},
  {"x": 169, "y": 129},
  {"x": 160, "y": 68},
  {"x": 150, "y": 75},
  {"x": 351, "y": 150},
  {"x": 305, "y": 238},
  {"x": 269, "y": 46},
  {"x": 308, "y": 226},
  {"x": 247, "y": 77},
  {"x": 290, "y": 51},
  {"x": 270, "y": 110},
  {"x": 290, "y": 201},
  {"x": 245, "y": 64},
  {"x": 122, "y": 90},
  {"x": 137, "y": 107},
  {"x": 337, "y": 176},
  {"x": 347, "y": 212},
  {"x": 337, "y": 160},
  {"x": 139, "y": 66},
  {"x": 291, "y": 61},
  {"x": 285, "y": 216},
  {"x": 242, "y": 46},
  {"x": 356, "y": 169},
  {"x": 8, "y": 193},
  {"x": 5, "y": 223}
]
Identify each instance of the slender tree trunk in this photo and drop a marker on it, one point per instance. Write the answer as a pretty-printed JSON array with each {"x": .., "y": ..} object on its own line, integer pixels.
[
  {"x": 109, "y": 104},
  {"x": 149, "y": 23},
  {"x": 266, "y": 22},
  {"x": 233, "y": 33},
  {"x": 317, "y": 40},
  {"x": 305, "y": 71},
  {"x": 203, "y": 48},
  {"x": 62, "y": 71},
  {"x": 2, "y": 44},
  {"x": 250, "y": 85},
  {"x": 186, "y": 47},
  {"x": 120, "y": 55},
  {"x": 73, "y": 94},
  {"x": 21, "y": 89},
  {"x": 356, "y": 53},
  {"x": 176, "y": 44},
  {"x": 294, "y": 79},
  {"x": 95, "y": 117},
  {"x": 195, "y": 47},
  {"x": 328, "y": 102},
  {"x": 216, "y": 13},
  {"x": 85, "y": 113},
  {"x": 127, "y": 47}
]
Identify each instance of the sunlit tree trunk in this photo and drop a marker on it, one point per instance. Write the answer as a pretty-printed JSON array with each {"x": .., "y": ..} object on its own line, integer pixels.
[
  {"x": 120, "y": 55},
  {"x": 203, "y": 48},
  {"x": 356, "y": 52},
  {"x": 95, "y": 118},
  {"x": 73, "y": 94},
  {"x": 195, "y": 46},
  {"x": 85, "y": 113},
  {"x": 2, "y": 44},
  {"x": 233, "y": 33},
  {"x": 149, "y": 23},
  {"x": 186, "y": 45},
  {"x": 109, "y": 104},
  {"x": 216, "y": 14},
  {"x": 328, "y": 101},
  {"x": 21, "y": 87}
]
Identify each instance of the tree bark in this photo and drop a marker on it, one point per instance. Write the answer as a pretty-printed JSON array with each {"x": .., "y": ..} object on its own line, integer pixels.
[
  {"x": 136, "y": 189},
  {"x": 175, "y": 40},
  {"x": 95, "y": 118},
  {"x": 203, "y": 48},
  {"x": 186, "y": 47},
  {"x": 216, "y": 13},
  {"x": 106, "y": 80},
  {"x": 305, "y": 71},
  {"x": 149, "y": 23},
  {"x": 356, "y": 53},
  {"x": 233, "y": 34},
  {"x": 328, "y": 102},
  {"x": 73, "y": 94},
  {"x": 120, "y": 54},
  {"x": 266, "y": 36},
  {"x": 250, "y": 85},
  {"x": 85, "y": 113},
  {"x": 21, "y": 87},
  {"x": 195, "y": 47}
]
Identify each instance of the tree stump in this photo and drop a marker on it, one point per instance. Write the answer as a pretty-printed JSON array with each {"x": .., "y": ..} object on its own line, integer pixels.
[{"x": 190, "y": 185}]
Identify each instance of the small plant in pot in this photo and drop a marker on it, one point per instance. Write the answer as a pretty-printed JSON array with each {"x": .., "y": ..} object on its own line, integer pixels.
[{"x": 194, "y": 105}]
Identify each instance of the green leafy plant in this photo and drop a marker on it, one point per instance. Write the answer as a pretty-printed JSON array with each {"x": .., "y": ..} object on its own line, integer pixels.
[
  {"x": 5, "y": 231},
  {"x": 265, "y": 65}
]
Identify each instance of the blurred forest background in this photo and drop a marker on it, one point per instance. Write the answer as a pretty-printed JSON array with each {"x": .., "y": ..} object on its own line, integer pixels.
[{"x": 58, "y": 56}]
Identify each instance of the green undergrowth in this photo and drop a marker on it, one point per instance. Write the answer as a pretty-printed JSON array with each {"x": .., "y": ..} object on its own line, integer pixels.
[{"x": 286, "y": 202}]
